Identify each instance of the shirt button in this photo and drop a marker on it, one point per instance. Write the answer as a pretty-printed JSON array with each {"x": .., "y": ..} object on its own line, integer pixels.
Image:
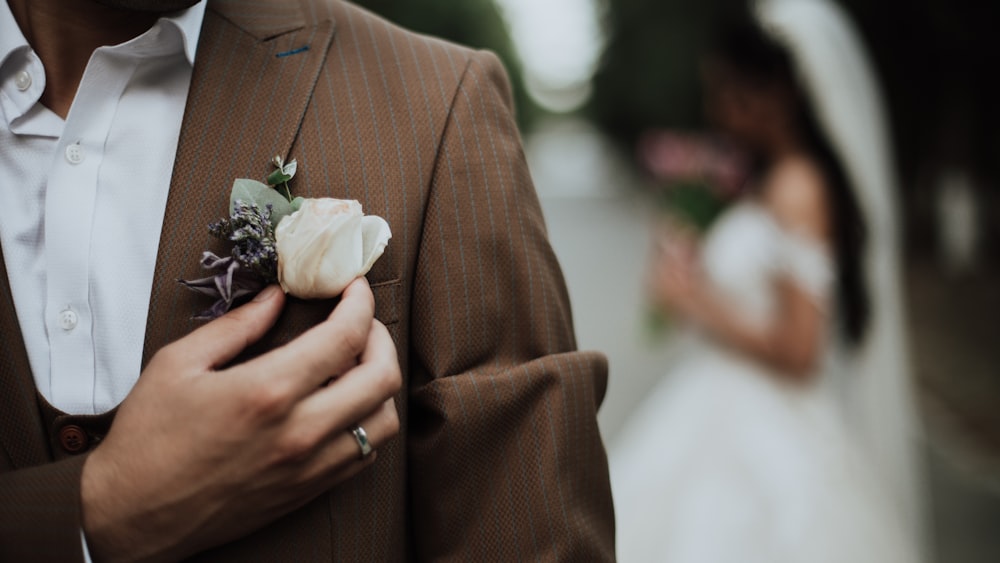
[
  {"x": 74, "y": 153},
  {"x": 73, "y": 439},
  {"x": 68, "y": 319},
  {"x": 22, "y": 80}
]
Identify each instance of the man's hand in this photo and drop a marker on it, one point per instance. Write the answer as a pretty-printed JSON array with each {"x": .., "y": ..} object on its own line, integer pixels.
[{"x": 199, "y": 456}]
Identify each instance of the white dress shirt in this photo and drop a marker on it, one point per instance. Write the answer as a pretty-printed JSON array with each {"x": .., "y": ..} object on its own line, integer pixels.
[{"x": 82, "y": 203}]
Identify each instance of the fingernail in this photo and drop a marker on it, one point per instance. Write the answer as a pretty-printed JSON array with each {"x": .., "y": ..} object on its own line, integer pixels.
[{"x": 268, "y": 292}]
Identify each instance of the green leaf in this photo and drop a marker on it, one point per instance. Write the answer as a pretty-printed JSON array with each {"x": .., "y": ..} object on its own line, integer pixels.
[
  {"x": 278, "y": 177},
  {"x": 693, "y": 202},
  {"x": 297, "y": 203},
  {"x": 252, "y": 191}
]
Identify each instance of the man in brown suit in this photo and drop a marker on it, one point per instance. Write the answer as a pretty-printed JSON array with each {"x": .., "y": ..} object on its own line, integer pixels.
[{"x": 498, "y": 455}]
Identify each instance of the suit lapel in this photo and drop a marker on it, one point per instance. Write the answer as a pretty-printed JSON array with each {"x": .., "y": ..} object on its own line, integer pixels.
[
  {"x": 245, "y": 106},
  {"x": 256, "y": 67},
  {"x": 257, "y": 64},
  {"x": 21, "y": 433}
]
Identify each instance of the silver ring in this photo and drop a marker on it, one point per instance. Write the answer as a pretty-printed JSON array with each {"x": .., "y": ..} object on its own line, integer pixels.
[{"x": 362, "y": 439}]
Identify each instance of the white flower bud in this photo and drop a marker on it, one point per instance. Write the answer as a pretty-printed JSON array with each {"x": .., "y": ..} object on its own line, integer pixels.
[{"x": 325, "y": 245}]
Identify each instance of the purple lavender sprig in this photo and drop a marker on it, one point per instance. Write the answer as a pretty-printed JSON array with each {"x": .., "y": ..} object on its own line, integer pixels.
[
  {"x": 252, "y": 233},
  {"x": 229, "y": 282},
  {"x": 251, "y": 265}
]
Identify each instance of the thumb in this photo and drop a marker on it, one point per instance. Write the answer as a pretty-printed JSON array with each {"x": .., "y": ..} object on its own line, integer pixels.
[{"x": 224, "y": 338}]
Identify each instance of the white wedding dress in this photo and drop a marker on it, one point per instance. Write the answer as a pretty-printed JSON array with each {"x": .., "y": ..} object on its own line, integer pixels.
[{"x": 726, "y": 461}]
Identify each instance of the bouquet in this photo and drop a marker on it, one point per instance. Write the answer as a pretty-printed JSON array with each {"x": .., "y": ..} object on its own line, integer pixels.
[{"x": 696, "y": 177}]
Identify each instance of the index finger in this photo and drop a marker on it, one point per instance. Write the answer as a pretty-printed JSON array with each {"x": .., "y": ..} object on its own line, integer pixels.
[
  {"x": 222, "y": 339},
  {"x": 327, "y": 349}
]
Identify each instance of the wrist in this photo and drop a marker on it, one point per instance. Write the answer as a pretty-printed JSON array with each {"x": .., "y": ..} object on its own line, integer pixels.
[
  {"x": 96, "y": 512},
  {"x": 108, "y": 528},
  {"x": 127, "y": 520}
]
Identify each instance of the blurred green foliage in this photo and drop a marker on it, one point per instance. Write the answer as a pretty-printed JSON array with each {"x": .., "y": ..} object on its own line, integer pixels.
[
  {"x": 475, "y": 23},
  {"x": 693, "y": 202},
  {"x": 945, "y": 51},
  {"x": 649, "y": 73}
]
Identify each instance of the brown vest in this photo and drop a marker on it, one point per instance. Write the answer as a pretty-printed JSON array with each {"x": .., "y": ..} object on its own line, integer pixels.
[{"x": 72, "y": 434}]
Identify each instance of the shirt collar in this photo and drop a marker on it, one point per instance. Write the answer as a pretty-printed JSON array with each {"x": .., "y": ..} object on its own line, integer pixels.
[
  {"x": 171, "y": 34},
  {"x": 11, "y": 38},
  {"x": 16, "y": 57},
  {"x": 175, "y": 33},
  {"x": 187, "y": 22}
]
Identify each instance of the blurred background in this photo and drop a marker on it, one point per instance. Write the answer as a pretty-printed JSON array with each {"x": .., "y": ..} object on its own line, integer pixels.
[{"x": 592, "y": 77}]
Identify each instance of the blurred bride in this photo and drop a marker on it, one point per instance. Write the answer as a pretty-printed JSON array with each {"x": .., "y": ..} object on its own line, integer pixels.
[{"x": 785, "y": 434}]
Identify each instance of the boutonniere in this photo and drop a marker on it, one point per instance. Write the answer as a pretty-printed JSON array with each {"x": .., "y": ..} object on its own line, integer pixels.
[{"x": 314, "y": 248}]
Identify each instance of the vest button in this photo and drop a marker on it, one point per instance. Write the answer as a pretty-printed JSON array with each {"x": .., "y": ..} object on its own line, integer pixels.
[{"x": 73, "y": 439}]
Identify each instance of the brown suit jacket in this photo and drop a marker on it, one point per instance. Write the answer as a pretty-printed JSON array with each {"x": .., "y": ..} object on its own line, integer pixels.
[{"x": 499, "y": 456}]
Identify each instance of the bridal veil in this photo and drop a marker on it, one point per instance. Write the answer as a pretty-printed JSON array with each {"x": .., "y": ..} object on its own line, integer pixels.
[{"x": 837, "y": 76}]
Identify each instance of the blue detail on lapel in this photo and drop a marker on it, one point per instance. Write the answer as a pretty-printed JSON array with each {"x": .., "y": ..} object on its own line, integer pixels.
[{"x": 293, "y": 52}]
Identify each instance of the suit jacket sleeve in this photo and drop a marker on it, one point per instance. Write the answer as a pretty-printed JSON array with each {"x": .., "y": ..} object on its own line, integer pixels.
[
  {"x": 40, "y": 516},
  {"x": 506, "y": 461}
]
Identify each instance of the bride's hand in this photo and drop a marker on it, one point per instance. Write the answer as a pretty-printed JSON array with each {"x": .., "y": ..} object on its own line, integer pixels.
[{"x": 675, "y": 280}]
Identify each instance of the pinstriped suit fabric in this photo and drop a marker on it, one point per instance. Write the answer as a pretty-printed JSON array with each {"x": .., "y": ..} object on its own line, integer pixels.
[
  {"x": 499, "y": 457},
  {"x": 25, "y": 442}
]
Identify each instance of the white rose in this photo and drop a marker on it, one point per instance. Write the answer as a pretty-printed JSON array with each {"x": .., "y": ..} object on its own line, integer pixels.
[{"x": 325, "y": 245}]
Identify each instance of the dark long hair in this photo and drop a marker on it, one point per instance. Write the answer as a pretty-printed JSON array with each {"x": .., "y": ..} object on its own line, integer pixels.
[{"x": 750, "y": 52}]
